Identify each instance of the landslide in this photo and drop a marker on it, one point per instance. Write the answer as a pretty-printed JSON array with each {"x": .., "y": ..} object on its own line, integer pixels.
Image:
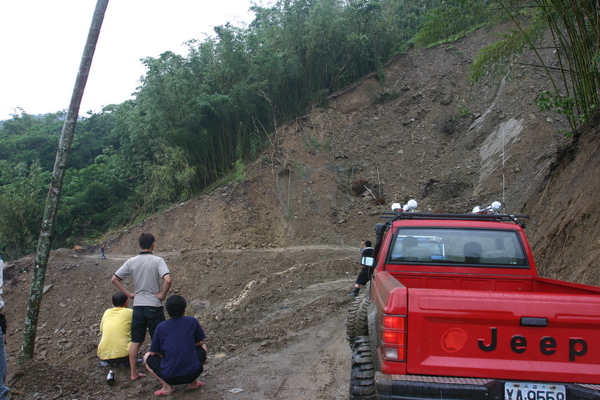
[{"x": 266, "y": 263}]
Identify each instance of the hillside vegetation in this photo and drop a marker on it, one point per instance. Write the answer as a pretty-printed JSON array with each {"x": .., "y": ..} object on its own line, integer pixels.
[{"x": 202, "y": 120}]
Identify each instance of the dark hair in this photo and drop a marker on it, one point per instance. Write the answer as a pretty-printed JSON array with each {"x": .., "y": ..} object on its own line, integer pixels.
[
  {"x": 119, "y": 299},
  {"x": 368, "y": 243},
  {"x": 472, "y": 250},
  {"x": 145, "y": 240},
  {"x": 175, "y": 306}
]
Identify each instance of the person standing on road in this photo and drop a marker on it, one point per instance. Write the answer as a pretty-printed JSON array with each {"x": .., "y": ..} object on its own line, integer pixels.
[
  {"x": 102, "y": 254},
  {"x": 3, "y": 389},
  {"x": 366, "y": 250},
  {"x": 146, "y": 270}
]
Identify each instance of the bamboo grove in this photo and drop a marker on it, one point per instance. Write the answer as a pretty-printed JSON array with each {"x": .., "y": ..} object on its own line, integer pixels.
[
  {"x": 197, "y": 119},
  {"x": 574, "y": 26}
]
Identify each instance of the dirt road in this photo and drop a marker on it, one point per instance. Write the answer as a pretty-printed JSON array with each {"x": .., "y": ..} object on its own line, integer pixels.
[{"x": 275, "y": 320}]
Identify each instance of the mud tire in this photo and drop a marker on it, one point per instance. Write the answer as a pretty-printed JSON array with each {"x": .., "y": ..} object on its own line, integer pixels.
[
  {"x": 357, "y": 321},
  {"x": 362, "y": 376}
]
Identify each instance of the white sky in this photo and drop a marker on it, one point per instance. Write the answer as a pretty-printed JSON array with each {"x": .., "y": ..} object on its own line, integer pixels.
[{"x": 42, "y": 41}]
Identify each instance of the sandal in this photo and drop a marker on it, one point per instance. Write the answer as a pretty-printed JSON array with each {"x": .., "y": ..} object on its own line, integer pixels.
[{"x": 199, "y": 384}]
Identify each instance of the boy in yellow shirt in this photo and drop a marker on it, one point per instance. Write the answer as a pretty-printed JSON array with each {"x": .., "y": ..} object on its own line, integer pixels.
[{"x": 115, "y": 328}]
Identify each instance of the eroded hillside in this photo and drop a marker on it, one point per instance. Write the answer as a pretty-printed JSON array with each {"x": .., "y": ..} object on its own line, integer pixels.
[{"x": 424, "y": 133}]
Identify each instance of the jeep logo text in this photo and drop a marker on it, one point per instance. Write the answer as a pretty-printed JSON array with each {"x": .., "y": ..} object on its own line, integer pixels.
[{"x": 547, "y": 345}]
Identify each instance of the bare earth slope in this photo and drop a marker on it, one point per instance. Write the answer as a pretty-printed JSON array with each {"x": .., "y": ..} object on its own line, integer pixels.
[{"x": 266, "y": 263}]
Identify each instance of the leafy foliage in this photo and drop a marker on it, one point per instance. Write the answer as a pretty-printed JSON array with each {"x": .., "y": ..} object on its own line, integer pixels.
[
  {"x": 574, "y": 28},
  {"x": 22, "y": 187},
  {"x": 454, "y": 19}
]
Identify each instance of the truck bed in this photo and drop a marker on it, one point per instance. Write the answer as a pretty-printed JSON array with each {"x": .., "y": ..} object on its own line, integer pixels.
[
  {"x": 491, "y": 282},
  {"x": 496, "y": 327}
]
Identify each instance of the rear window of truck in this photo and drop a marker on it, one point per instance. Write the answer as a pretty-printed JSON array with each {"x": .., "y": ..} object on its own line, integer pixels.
[{"x": 462, "y": 246}]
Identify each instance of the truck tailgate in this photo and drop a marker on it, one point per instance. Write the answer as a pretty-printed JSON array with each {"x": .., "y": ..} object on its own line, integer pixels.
[{"x": 522, "y": 336}]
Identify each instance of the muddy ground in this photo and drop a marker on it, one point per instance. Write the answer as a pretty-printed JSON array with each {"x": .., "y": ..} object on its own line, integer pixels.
[{"x": 274, "y": 320}]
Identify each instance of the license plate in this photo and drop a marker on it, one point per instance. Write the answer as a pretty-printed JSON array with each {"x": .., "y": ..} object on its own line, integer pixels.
[{"x": 533, "y": 391}]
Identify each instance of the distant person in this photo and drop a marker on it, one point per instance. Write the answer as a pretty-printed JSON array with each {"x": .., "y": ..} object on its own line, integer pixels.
[
  {"x": 146, "y": 270},
  {"x": 402, "y": 245},
  {"x": 102, "y": 254},
  {"x": 366, "y": 250},
  {"x": 411, "y": 251},
  {"x": 115, "y": 328},
  {"x": 177, "y": 353},
  {"x": 3, "y": 389}
]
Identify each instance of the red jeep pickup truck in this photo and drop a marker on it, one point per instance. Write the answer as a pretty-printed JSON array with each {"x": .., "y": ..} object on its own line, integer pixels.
[{"x": 455, "y": 310}]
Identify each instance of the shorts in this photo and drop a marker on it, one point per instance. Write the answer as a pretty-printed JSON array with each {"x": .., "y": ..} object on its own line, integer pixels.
[
  {"x": 145, "y": 317},
  {"x": 153, "y": 363},
  {"x": 118, "y": 361}
]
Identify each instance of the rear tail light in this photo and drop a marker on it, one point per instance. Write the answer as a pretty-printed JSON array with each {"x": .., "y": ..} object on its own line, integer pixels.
[{"x": 393, "y": 337}]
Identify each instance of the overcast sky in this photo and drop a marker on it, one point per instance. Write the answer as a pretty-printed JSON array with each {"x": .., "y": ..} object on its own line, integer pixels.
[{"x": 42, "y": 41}]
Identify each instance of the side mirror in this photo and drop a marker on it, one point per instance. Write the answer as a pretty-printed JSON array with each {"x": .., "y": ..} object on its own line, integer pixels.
[{"x": 368, "y": 261}]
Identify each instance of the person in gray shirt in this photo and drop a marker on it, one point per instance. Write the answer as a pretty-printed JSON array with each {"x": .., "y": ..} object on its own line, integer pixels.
[{"x": 146, "y": 271}]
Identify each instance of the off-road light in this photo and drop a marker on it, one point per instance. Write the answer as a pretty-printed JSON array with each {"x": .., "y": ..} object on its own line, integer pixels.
[
  {"x": 410, "y": 206},
  {"x": 477, "y": 210},
  {"x": 496, "y": 206},
  {"x": 493, "y": 209}
]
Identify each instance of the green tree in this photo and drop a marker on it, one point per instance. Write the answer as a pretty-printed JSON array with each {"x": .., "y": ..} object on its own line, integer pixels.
[
  {"x": 95, "y": 199},
  {"x": 25, "y": 138},
  {"x": 453, "y": 19},
  {"x": 22, "y": 191}
]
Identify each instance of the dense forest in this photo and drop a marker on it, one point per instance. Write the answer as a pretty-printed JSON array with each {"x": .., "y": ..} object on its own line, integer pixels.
[{"x": 198, "y": 120}]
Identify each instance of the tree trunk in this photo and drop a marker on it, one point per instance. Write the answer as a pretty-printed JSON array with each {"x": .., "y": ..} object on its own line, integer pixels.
[{"x": 53, "y": 199}]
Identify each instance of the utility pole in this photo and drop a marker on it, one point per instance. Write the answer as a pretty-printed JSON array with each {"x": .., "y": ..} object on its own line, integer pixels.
[{"x": 53, "y": 199}]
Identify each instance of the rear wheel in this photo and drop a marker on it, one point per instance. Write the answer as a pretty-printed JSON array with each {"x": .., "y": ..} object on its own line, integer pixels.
[
  {"x": 357, "y": 321},
  {"x": 362, "y": 377}
]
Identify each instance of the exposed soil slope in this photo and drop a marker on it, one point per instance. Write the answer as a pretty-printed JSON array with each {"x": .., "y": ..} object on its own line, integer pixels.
[{"x": 266, "y": 263}]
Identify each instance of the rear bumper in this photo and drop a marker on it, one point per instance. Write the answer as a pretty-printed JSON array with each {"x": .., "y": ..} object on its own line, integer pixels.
[{"x": 418, "y": 387}]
